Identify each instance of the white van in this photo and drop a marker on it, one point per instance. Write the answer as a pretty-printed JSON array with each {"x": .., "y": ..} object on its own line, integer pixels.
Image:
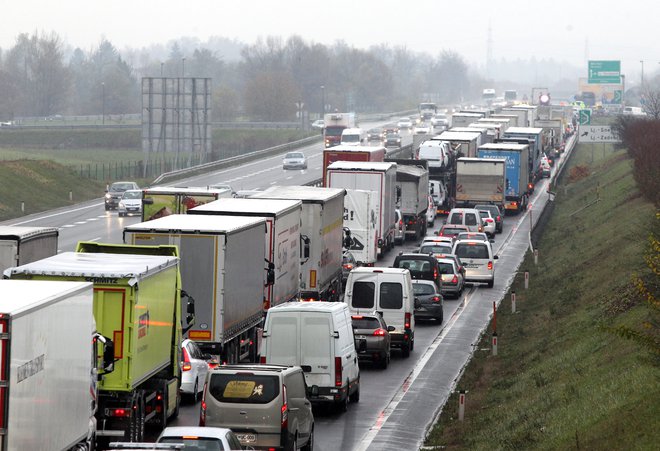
[
  {"x": 353, "y": 137},
  {"x": 389, "y": 291},
  {"x": 478, "y": 260},
  {"x": 319, "y": 337},
  {"x": 469, "y": 217},
  {"x": 435, "y": 152}
]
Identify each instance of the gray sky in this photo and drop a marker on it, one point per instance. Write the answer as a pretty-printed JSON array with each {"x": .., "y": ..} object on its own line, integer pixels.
[{"x": 624, "y": 30}]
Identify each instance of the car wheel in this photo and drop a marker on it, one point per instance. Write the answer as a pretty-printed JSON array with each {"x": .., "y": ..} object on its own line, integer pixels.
[
  {"x": 439, "y": 318},
  {"x": 309, "y": 446},
  {"x": 107, "y": 208},
  {"x": 355, "y": 397},
  {"x": 293, "y": 443},
  {"x": 342, "y": 405},
  {"x": 385, "y": 361},
  {"x": 491, "y": 283},
  {"x": 195, "y": 393}
]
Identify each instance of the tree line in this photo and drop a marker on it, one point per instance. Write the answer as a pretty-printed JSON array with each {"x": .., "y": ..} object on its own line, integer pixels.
[{"x": 42, "y": 76}]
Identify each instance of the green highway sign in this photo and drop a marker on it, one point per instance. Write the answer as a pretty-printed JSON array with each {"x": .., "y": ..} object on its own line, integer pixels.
[
  {"x": 585, "y": 117},
  {"x": 618, "y": 96},
  {"x": 605, "y": 72}
]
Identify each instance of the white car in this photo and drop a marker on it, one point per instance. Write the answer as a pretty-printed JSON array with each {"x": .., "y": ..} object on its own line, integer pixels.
[
  {"x": 294, "y": 160},
  {"x": 431, "y": 212},
  {"x": 404, "y": 122},
  {"x": 488, "y": 222},
  {"x": 318, "y": 124},
  {"x": 194, "y": 367},
  {"x": 130, "y": 203},
  {"x": 422, "y": 129},
  {"x": 198, "y": 438}
]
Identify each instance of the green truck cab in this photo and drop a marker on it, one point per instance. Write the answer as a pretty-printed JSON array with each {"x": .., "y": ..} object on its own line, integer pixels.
[{"x": 137, "y": 304}]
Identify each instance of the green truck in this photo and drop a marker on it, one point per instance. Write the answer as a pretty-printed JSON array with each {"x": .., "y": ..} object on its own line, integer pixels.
[{"x": 137, "y": 303}]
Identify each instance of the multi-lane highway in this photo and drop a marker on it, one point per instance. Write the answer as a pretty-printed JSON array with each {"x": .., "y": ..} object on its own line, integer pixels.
[{"x": 397, "y": 405}]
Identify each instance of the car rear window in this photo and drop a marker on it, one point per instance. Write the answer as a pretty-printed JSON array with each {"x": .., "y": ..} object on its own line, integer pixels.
[
  {"x": 366, "y": 323},
  {"x": 471, "y": 250},
  {"x": 201, "y": 443},
  {"x": 391, "y": 295},
  {"x": 244, "y": 388},
  {"x": 446, "y": 268},
  {"x": 423, "y": 288},
  {"x": 456, "y": 218},
  {"x": 435, "y": 249},
  {"x": 363, "y": 295}
]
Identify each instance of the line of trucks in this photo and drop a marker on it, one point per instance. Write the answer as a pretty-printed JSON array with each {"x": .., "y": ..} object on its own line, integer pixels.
[{"x": 97, "y": 332}]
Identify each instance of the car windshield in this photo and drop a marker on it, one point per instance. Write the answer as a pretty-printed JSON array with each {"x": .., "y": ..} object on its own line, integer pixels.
[
  {"x": 121, "y": 186},
  {"x": 350, "y": 138},
  {"x": 423, "y": 288},
  {"x": 294, "y": 155},
  {"x": 132, "y": 195},
  {"x": 365, "y": 322},
  {"x": 244, "y": 388},
  {"x": 392, "y": 136},
  {"x": 196, "y": 443}
]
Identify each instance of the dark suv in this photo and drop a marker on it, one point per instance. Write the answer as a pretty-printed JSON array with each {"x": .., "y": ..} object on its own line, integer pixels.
[
  {"x": 421, "y": 266},
  {"x": 495, "y": 213},
  {"x": 115, "y": 191}
]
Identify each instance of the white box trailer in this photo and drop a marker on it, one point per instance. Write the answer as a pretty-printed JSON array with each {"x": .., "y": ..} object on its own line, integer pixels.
[
  {"x": 521, "y": 113},
  {"x": 321, "y": 235},
  {"x": 465, "y": 119},
  {"x": 412, "y": 183},
  {"x": 379, "y": 177},
  {"x": 222, "y": 269},
  {"x": 361, "y": 212},
  {"x": 23, "y": 245},
  {"x": 282, "y": 240},
  {"x": 480, "y": 181},
  {"x": 464, "y": 143},
  {"x": 46, "y": 365},
  {"x": 514, "y": 119}
]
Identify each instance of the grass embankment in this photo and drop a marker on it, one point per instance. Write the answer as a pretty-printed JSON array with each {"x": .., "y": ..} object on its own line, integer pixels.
[
  {"x": 562, "y": 379},
  {"x": 41, "y": 185}
]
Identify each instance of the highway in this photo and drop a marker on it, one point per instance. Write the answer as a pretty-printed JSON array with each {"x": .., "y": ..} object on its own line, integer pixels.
[{"x": 397, "y": 405}]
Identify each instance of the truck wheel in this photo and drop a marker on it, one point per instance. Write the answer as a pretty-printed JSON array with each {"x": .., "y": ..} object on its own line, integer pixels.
[
  {"x": 136, "y": 428},
  {"x": 355, "y": 397}
]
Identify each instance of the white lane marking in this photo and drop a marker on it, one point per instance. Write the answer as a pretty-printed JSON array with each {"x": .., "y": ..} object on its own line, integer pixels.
[
  {"x": 95, "y": 239},
  {"x": 93, "y": 219},
  {"x": 57, "y": 214},
  {"x": 81, "y": 222},
  {"x": 421, "y": 363},
  {"x": 289, "y": 177},
  {"x": 66, "y": 226},
  {"x": 273, "y": 182}
]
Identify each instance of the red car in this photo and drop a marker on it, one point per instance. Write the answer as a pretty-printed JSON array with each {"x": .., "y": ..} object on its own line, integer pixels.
[{"x": 452, "y": 230}]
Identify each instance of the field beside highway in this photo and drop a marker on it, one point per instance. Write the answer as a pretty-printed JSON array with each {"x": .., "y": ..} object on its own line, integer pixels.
[{"x": 578, "y": 363}]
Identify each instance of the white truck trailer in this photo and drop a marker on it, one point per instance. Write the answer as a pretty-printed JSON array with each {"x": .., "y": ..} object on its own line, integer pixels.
[
  {"x": 412, "y": 185},
  {"x": 222, "y": 269},
  {"x": 47, "y": 367},
  {"x": 321, "y": 238},
  {"x": 480, "y": 181},
  {"x": 361, "y": 219},
  {"x": 379, "y": 177},
  {"x": 23, "y": 245},
  {"x": 282, "y": 240}
]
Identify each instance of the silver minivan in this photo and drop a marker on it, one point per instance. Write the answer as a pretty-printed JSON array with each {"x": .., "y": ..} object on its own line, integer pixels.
[
  {"x": 265, "y": 405},
  {"x": 478, "y": 260}
]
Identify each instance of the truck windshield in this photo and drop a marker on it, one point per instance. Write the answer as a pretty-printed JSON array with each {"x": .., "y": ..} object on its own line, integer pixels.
[{"x": 333, "y": 131}]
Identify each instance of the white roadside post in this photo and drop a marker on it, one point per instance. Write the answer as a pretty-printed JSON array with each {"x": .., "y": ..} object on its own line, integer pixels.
[
  {"x": 513, "y": 302},
  {"x": 461, "y": 404},
  {"x": 526, "y": 280}
]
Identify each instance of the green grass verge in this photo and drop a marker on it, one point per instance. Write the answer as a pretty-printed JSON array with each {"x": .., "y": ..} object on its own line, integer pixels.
[
  {"x": 41, "y": 185},
  {"x": 561, "y": 379}
]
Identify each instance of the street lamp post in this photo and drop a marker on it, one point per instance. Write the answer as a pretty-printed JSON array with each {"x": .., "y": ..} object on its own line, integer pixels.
[
  {"x": 322, "y": 101},
  {"x": 642, "y": 62},
  {"x": 103, "y": 103},
  {"x": 161, "y": 69},
  {"x": 183, "y": 66}
]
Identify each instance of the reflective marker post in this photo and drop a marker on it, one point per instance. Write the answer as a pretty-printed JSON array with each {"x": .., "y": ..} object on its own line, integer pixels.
[
  {"x": 513, "y": 302},
  {"x": 494, "y": 343},
  {"x": 536, "y": 257},
  {"x": 526, "y": 280},
  {"x": 461, "y": 405}
]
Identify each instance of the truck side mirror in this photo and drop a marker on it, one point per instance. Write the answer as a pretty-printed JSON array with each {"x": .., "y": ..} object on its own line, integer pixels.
[
  {"x": 190, "y": 310},
  {"x": 108, "y": 365},
  {"x": 147, "y": 201},
  {"x": 347, "y": 239},
  {"x": 398, "y": 193},
  {"x": 305, "y": 245},
  {"x": 270, "y": 273}
]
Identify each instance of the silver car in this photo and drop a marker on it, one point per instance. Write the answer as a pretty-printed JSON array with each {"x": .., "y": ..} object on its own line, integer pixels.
[
  {"x": 453, "y": 281},
  {"x": 194, "y": 367},
  {"x": 265, "y": 405},
  {"x": 197, "y": 438},
  {"x": 130, "y": 203},
  {"x": 294, "y": 160},
  {"x": 477, "y": 259}
]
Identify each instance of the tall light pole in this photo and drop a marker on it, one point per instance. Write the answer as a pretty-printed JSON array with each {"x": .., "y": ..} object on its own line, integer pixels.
[
  {"x": 322, "y": 101},
  {"x": 161, "y": 69},
  {"x": 103, "y": 103},
  {"x": 642, "y": 62},
  {"x": 183, "y": 66}
]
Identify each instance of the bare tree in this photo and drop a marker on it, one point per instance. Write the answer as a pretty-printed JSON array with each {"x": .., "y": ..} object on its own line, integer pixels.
[{"x": 651, "y": 105}]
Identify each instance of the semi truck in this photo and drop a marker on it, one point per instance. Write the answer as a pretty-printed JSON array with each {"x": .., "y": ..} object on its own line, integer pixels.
[
  {"x": 223, "y": 269},
  {"x": 352, "y": 153},
  {"x": 379, "y": 177},
  {"x": 534, "y": 135},
  {"x": 281, "y": 240},
  {"x": 334, "y": 124},
  {"x": 361, "y": 223},
  {"x": 321, "y": 238},
  {"x": 480, "y": 181},
  {"x": 162, "y": 201},
  {"x": 464, "y": 143},
  {"x": 137, "y": 303},
  {"x": 21, "y": 245},
  {"x": 464, "y": 119},
  {"x": 48, "y": 368},
  {"x": 412, "y": 187},
  {"x": 517, "y": 184}
]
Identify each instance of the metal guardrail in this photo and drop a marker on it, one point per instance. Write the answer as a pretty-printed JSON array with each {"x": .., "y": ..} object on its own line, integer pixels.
[{"x": 232, "y": 161}]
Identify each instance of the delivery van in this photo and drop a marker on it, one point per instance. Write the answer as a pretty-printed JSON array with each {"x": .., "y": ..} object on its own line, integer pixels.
[
  {"x": 388, "y": 291},
  {"x": 317, "y": 336}
]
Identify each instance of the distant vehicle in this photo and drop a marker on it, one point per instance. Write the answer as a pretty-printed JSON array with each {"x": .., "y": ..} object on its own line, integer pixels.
[
  {"x": 372, "y": 330},
  {"x": 467, "y": 217},
  {"x": 546, "y": 170},
  {"x": 430, "y": 303},
  {"x": 334, "y": 125},
  {"x": 452, "y": 230},
  {"x": 375, "y": 134},
  {"x": 393, "y": 140},
  {"x": 427, "y": 110},
  {"x": 353, "y": 137},
  {"x": 510, "y": 95},
  {"x": 435, "y": 248},
  {"x": 318, "y": 124},
  {"x": 294, "y": 160},
  {"x": 439, "y": 122},
  {"x": 488, "y": 95},
  {"x": 196, "y": 438},
  {"x": 400, "y": 229},
  {"x": 194, "y": 367},
  {"x": 404, "y": 122},
  {"x": 223, "y": 186},
  {"x": 431, "y": 212},
  {"x": 422, "y": 129},
  {"x": 633, "y": 111},
  {"x": 421, "y": 266},
  {"x": 130, "y": 203},
  {"x": 472, "y": 236},
  {"x": 115, "y": 191}
]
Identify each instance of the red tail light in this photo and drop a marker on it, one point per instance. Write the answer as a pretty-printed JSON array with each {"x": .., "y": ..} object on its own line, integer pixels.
[
  {"x": 379, "y": 332},
  {"x": 202, "y": 410},
  {"x": 490, "y": 266},
  {"x": 436, "y": 298},
  {"x": 499, "y": 218},
  {"x": 348, "y": 266},
  {"x": 338, "y": 371},
  {"x": 454, "y": 279},
  {"x": 530, "y": 185},
  {"x": 488, "y": 220},
  {"x": 262, "y": 359},
  {"x": 435, "y": 273},
  {"x": 285, "y": 409},
  {"x": 120, "y": 413},
  {"x": 406, "y": 320},
  {"x": 186, "y": 366}
]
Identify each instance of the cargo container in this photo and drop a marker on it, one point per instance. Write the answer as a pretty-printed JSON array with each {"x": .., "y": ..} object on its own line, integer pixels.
[
  {"x": 352, "y": 153},
  {"x": 162, "y": 201},
  {"x": 517, "y": 184},
  {"x": 480, "y": 181},
  {"x": 361, "y": 209},
  {"x": 21, "y": 245}
]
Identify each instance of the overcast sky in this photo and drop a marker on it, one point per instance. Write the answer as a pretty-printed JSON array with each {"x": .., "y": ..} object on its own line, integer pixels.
[{"x": 625, "y": 30}]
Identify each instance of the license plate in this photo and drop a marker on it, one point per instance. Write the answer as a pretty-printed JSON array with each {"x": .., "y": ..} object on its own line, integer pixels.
[
  {"x": 247, "y": 438},
  {"x": 361, "y": 337}
]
